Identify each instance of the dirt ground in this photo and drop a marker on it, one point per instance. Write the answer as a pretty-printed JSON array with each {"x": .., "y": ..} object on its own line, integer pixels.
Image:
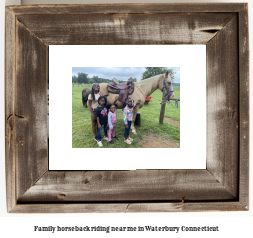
[
  {"x": 171, "y": 121},
  {"x": 156, "y": 141}
]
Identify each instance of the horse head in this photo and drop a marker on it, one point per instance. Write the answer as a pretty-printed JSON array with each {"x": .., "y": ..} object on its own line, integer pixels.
[{"x": 167, "y": 88}]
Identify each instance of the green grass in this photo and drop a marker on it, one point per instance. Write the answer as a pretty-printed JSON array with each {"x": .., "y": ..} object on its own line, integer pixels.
[{"x": 82, "y": 136}]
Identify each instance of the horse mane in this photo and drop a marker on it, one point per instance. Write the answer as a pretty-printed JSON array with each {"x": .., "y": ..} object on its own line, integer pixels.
[{"x": 149, "y": 84}]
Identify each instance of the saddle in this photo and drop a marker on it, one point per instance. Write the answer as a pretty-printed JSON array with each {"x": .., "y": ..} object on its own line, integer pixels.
[{"x": 123, "y": 89}]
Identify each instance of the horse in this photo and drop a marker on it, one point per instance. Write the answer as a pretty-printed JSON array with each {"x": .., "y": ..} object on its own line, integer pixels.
[
  {"x": 85, "y": 94},
  {"x": 143, "y": 89}
]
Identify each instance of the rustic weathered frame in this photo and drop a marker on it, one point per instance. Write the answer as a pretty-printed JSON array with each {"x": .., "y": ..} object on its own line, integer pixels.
[{"x": 223, "y": 186}]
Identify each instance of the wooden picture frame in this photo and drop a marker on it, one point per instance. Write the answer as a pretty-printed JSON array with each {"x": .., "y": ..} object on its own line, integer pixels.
[{"x": 222, "y": 186}]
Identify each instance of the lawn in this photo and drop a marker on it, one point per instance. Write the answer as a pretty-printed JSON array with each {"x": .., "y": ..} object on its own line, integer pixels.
[{"x": 82, "y": 136}]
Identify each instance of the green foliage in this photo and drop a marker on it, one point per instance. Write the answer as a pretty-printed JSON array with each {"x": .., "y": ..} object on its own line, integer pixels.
[
  {"x": 82, "y": 78},
  {"x": 133, "y": 79},
  {"x": 94, "y": 79},
  {"x": 82, "y": 136},
  {"x": 74, "y": 79},
  {"x": 153, "y": 71}
]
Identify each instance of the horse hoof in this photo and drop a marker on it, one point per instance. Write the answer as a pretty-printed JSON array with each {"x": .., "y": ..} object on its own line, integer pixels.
[{"x": 134, "y": 132}]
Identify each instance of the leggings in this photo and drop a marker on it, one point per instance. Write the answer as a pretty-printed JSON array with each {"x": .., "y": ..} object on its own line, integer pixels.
[{"x": 111, "y": 132}]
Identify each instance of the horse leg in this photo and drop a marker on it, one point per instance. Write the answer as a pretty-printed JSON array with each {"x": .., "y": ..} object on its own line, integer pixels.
[
  {"x": 133, "y": 120},
  {"x": 83, "y": 100}
]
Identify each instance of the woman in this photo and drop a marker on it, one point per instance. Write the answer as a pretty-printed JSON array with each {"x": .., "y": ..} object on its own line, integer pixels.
[{"x": 93, "y": 104}]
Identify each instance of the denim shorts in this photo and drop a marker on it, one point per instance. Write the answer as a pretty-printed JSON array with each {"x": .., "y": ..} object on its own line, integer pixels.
[{"x": 94, "y": 111}]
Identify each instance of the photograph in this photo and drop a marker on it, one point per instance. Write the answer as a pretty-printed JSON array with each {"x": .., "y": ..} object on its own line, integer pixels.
[
  {"x": 47, "y": 46},
  {"x": 126, "y": 107},
  {"x": 135, "y": 107}
]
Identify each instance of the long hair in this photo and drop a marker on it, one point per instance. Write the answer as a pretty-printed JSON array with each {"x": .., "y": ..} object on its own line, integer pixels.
[
  {"x": 103, "y": 98},
  {"x": 92, "y": 91}
]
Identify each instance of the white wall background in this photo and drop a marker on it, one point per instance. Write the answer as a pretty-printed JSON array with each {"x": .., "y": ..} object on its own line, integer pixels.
[{"x": 230, "y": 223}]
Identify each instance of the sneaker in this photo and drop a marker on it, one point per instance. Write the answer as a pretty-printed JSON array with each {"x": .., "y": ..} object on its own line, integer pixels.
[
  {"x": 127, "y": 141},
  {"x": 130, "y": 139},
  {"x": 111, "y": 142},
  {"x": 100, "y": 143},
  {"x": 115, "y": 137},
  {"x": 106, "y": 138},
  {"x": 95, "y": 138}
]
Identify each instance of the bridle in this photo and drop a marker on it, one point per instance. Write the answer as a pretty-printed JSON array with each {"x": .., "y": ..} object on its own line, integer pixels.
[{"x": 164, "y": 86}]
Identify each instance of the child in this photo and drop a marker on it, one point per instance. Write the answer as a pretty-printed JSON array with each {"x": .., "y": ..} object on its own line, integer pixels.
[
  {"x": 112, "y": 120},
  {"x": 102, "y": 117},
  {"x": 93, "y": 104},
  {"x": 128, "y": 116}
]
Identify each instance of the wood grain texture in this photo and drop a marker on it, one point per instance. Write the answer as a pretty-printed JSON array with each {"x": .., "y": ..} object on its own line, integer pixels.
[
  {"x": 186, "y": 207},
  {"x": 244, "y": 106},
  {"x": 30, "y": 108},
  {"x": 155, "y": 8},
  {"x": 140, "y": 185},
  {"x": 222, "y": 107},
  {"x": 162, "y": 110},
  {"x": 9, "y": 108},
  {"x": 128, "y": 207},
  {"x": 223, "y": 186},
  {"x": 132, "y": 29}
]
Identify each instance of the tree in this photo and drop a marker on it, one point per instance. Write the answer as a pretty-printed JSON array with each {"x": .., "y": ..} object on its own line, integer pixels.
[
  {"x": 82, "y": 78},
  {"x": 133, "y": 79},
  {"x": 152, "y": 71},
  {"x": 74, "y": 79},
  {"x": 96, "y": 79},
  {"x": 90, "y": 81}
]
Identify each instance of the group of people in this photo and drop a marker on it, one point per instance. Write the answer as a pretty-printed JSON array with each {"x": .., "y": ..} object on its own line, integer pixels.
[{"x": 102, "y": 113}]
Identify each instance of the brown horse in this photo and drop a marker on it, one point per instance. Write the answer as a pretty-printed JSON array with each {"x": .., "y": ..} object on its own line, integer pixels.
[
  {"x": 85, "y": 94},
  {"x": 143, "y": 89}
]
